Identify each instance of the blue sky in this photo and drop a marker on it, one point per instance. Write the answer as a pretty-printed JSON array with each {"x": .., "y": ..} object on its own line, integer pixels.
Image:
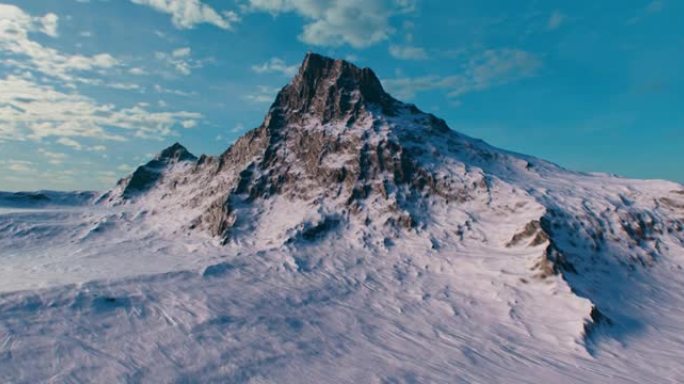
[{"x": 91, "y": 88}]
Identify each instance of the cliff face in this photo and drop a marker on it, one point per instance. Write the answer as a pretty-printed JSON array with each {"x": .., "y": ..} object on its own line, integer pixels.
[{"x": 334, "y": 135}]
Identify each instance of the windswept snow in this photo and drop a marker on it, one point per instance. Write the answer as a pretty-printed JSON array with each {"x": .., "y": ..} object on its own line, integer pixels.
[
  {"x": 177, "y": 307},
  {"x": 49, "y": 247}
]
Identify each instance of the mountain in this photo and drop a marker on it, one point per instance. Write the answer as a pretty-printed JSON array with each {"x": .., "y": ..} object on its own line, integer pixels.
[
  {"x": 353, "y": 237},
  {"x": 43, "y": 199}
]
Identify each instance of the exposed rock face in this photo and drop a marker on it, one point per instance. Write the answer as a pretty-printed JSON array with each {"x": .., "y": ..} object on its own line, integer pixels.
[
  {"x": 329, "y": 134},
  {"x": 175, "y": 153},
  {"x": 331, "y": 90}
]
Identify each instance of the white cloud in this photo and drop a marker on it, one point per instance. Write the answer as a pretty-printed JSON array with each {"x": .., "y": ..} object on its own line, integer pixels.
[
  {"x": 276, "y": 65},
  {"x": 49, "y": 24},
  {"x": 19, "y": 166},
  {"x": 137, "y": 71},
  {"x": 180, "y": 60},
  {"x": 181, "y": 52},
  {"x": 487, "y": 69},
  {"x": 406, "y": 52},
  {"x": 32, "y": 111},
  {"x": 55, "y": 158},
  {"x": 124, "y": 86},
  {"x": 160, "y": 89},
  {"x": 555, "y": 20},
  {"x": 15, "y": 26},
  {"x": 238, "y": 128},
  {"x": 359, "y": 23},
  {"x": 67, "y": 142},
  {"x": 188, "y": 124},
  {"x": 125, "y": 168},
  {"x": 97, "y": 148},
  {"x": 186, "y": 14},
  {"x": 263, "y": 94}
]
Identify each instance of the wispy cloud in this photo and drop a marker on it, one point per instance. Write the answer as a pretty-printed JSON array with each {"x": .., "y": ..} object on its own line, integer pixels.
[
  {"x": 20, "y": 51},
  {"x": 169, "y": 91},
  {"x": 263, "y": 94},
  {"x": 651, "y": 8},
  {"x": 54, "y": 158},
  {"x": 359, "y": 23},
  {"x": 137, "y": 71},
  {"x": 555, "y": 20},
  {"x": 68, "y": 142},
  {"x": 654, "y": 6},
  {"x": 33, "y": 111},
  {"x": 186, "y": 14},
  {"x": 238, "y": 128},
  {"x": 48, "y": 24},
  {"x": 18, "y": 166},
  {"x": 407, "y": 52},
  {"x": 276, "y": 65},
  {"x": 180, "y": 59},
  {"x": 482, "y": 71}
]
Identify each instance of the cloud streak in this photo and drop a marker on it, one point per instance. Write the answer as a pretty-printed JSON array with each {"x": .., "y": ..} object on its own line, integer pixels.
[
  {"x": 180, "y": 60},
  {"x": 20, "y": 51},
  {"x": 33, "y": 111},
  {"x": 276, "y": 65},
  {"x": 406, "y": 52},
  {"x": 555, "y": 21},
  {"x": 186, "y": 14},
  {"x": 263, "y": 95},
  {"x": 491, "y": 68},
  {"x": 359, "y": 23}
]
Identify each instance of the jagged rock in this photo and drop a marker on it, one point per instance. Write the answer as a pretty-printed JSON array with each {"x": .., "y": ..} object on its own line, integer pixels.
[
  {"x": 532, "y": 230},
  {"x": 147, "y": 175},
  {"x": 596, "y": 320},
  {"x": 331, "y": 90},
  {"x": 175, "y": 153},
  {"x": 327, "y": 133}
]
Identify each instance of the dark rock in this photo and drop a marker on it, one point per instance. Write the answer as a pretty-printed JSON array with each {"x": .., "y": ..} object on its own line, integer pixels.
[
  {"x": 146, "y": 176},
  {"x": 533, "y": 228},
  {"x": 175, "y": 153},
  {"x": 330, "y": 90}
]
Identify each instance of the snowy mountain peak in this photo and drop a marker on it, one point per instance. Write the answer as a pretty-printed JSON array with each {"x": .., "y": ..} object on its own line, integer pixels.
[
  {"x": 146, "y": 176},
  {"x": 330, "y": 90},
  {"x": 176, "y": 152}
]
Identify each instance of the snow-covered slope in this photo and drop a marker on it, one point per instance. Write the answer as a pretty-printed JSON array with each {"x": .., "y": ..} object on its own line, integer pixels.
[{"x": 350, "y": 237}]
